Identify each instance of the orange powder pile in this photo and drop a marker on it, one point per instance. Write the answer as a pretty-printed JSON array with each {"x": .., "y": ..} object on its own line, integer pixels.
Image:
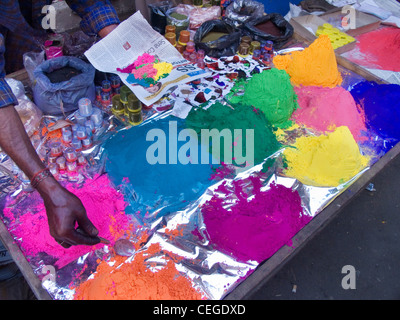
[
  {"x": 136, "y": 281},
  {"x": 314, "y": 66}
]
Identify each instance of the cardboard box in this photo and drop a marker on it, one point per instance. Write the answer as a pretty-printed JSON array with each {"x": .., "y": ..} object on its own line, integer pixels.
[
  {"x": 306, "y": 27},
  {"x": 364, "y": 22}
]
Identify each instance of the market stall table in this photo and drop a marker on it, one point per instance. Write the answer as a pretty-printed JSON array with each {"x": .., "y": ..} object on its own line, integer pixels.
[{"x": 266, "y": 269}]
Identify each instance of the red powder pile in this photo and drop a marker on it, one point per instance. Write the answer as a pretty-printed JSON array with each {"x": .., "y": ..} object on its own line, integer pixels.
[
  {"x": 136, "y": 281},
  {"x": 324, "y": 109},
  {"x": 378, "y": 49},
  {"x": 253, "y": 229},
  {"x": 105, "y": 208}
]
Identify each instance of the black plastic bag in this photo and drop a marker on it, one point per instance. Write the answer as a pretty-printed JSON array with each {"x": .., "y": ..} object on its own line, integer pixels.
[
  {"x": 62, "y": 97},
  {"x": 158, "y": 18},
  {"x": 285, "y": 28},
  {"x": 226, "y": 45},
  {"x": 243, "y": 11}
]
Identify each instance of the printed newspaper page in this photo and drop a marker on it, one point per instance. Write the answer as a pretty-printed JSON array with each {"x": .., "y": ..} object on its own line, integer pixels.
[{"x": 132, "y": 43}]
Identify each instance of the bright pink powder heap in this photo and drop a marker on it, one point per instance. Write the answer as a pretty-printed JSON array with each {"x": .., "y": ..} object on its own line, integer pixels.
[
  {"x": 144, "y": 59},
  {"x": 147, "y": 71},
  {"x": 254, "y": 229},
  {"x": 324, "y": 109},
  {"x": 378, "y": 49},
  {"x": 105, "y": 208}
]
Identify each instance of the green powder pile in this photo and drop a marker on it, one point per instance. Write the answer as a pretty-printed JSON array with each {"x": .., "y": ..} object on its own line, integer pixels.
[
  {"x": 178, "y": 16},
  {"x": 220, "y": 117},
  {"x": 272, "y": 93}
]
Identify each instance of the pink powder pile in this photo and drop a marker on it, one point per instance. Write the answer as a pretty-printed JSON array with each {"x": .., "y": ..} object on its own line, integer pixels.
[
  {"x": 147, "y": 71},
  {"x": 144, "y": 59},
  {"x": 378, "y": 49},
  {"x": 253, "y": 229},
  {"x": 105, "y": 208},
  {"x": 324, "y": 109}
]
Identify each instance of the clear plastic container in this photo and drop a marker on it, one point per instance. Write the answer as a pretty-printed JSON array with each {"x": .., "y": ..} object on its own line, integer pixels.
[{"x": 179, "y": 20}]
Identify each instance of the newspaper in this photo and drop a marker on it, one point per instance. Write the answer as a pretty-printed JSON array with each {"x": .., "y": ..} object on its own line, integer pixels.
[{"x": 131, "y": 39}]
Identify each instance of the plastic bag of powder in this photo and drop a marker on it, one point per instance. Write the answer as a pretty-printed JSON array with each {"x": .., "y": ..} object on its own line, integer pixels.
[
  {"x": 276, "y": 29},
  {"x": 62, "y": 97},
  {"x": 226, "y": 45},
  {"x": 243, "y": 11}
]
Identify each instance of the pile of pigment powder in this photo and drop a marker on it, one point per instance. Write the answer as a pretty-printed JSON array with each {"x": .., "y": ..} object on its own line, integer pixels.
[
  {"x": 147, "y": 70},
  {"x": 236, "y": 117},
  {"x": 377, "y": 49},
  {"x": 122, "y": 280},
  {"x": 381, "y": 105},
  {"x": 253, "y": 228},
  {"x": 314, "y": 66},
  {"x": 272, "y": 93},
  {"x": 104, "y": 206},
  {"x": 324, "y": 109},
  {"x": 156, "y": 168},
  {"x": 326, "y": 160}
]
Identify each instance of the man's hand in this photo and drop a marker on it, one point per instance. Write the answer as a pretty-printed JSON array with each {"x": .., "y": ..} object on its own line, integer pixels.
[{"x": 65, "y": 212}]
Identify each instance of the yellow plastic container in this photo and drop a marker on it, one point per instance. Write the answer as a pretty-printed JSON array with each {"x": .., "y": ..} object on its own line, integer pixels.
[{"x": 337, "y": 37}]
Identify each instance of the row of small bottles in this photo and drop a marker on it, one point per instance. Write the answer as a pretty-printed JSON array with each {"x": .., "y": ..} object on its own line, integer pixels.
[
  {"x": 108, "y": 88},
  {"x": 260, "y": 51},
  {"x": 127, "y": 106},
  {"x": 66, "y": 156},
  {"x": 185, "y": 46},
  {"x": 64, "y": 159},
  {"x": 120, "y": 98}
]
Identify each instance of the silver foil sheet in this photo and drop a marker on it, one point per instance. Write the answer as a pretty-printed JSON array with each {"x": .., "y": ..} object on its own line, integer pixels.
[{"x": 212, "y": 271}]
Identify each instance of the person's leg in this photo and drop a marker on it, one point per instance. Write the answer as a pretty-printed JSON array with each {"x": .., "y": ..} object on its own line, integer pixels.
[{"x": 13, "y": 285}]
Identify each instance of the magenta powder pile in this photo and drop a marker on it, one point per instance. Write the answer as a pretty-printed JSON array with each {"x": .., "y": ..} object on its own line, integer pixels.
[
  {"x": 253, "y": 230},
  {"x": 104, "y": 206}
]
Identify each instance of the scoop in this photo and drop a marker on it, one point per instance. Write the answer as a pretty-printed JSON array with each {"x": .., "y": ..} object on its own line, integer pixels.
[
  {"x": 102, "y": 240},
  {"x": 124, "y": 247}
]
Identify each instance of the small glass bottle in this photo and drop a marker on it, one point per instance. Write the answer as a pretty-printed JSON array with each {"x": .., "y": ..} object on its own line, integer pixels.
[
  {"x": 85, "y": 107},
  {"x": 97, "y": 117},
  {"x": 67, "y": 136},
  {"x": 55, "y": 149},
  {"x": 106, "y": 85},
  {"x": 70, "y": 154},
  {"x": 171, "y": 37},
  {"x": 61, "y": 163}
]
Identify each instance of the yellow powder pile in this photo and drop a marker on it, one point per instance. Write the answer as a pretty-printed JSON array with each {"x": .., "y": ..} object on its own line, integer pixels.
[
  {"x": 314, "y": 66},
  {"x": 326, "y": 160},
  {"x": 162, "y": 69}
]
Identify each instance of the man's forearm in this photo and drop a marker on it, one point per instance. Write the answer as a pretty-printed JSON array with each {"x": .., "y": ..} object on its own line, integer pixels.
[
  {"x": 15, "y": 142},
  {"x": 105, "y": 31},
  {"x": 96, "y": 15},
  {"x": 62, "y": 207}
]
